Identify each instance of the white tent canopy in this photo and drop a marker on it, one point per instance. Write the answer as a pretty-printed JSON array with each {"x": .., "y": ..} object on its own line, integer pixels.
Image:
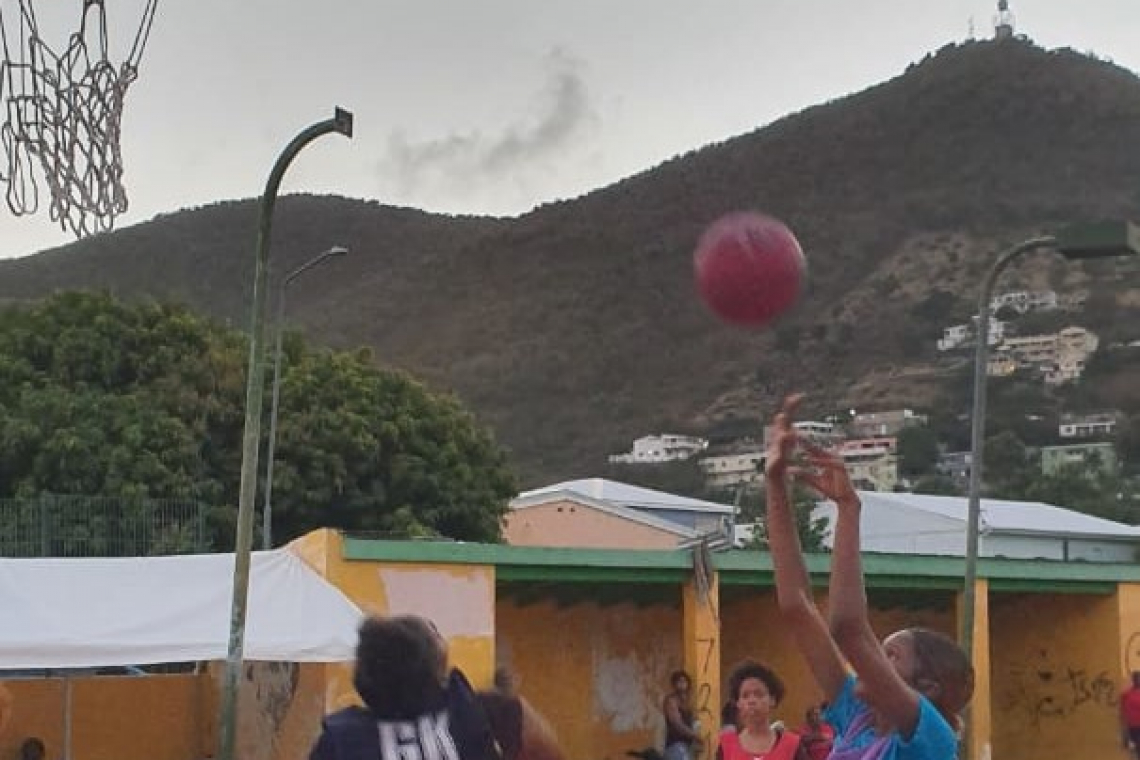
[{"x": 72, "y": 613}]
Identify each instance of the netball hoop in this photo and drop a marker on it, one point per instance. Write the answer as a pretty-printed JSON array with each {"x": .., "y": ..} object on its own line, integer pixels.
[{"x": 62, "y": 113}]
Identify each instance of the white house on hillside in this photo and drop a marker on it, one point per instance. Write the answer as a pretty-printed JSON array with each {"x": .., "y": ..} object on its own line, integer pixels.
[
  {"x": 667, "y": 447},
  {"x": 905, "y": 523}
]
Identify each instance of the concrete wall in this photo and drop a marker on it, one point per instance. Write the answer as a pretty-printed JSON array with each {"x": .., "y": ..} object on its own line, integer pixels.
[
  {"x": 598, "y": 673},
  {"x": 156, "y": 717},
  {"x": 1056, "y": 676},
  {"x": 568, "y": 523}
]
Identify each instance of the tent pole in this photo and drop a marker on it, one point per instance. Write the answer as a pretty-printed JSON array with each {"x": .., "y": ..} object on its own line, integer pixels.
[{"x": 67, "y": 717}]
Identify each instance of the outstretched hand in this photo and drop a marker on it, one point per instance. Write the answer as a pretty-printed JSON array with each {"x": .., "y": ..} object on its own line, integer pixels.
[
  {"x": 782, "y": 441},
  {"x": 826, "y": 474}
]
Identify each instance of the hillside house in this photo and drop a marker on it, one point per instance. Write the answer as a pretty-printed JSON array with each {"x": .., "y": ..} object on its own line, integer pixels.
[
  {"x": 1092, "y": 458},
  {"x": 883, "y": 424},
  {"x": 1094, "y": 425},
  {"x": 872, "y": 463},
  {"x": 1059, "y": 358},
  {"x": 657, "y": 449},
  {"x": 1025, "y": 301},
  {"x": 733, "y": 468},
  {"x": 956, "y": 336}
]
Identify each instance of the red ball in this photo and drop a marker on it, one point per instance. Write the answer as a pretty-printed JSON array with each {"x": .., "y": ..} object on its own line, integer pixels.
[{"x": 749, "y": 268}]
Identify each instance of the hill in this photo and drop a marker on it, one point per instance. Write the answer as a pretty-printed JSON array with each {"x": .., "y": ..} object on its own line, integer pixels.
[{"x": 573, "y": 329}]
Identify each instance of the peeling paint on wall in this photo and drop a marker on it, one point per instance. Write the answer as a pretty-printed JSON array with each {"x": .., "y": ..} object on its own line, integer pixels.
[
  {"x": 627, "y": 685},
  {"x": 459, "y": 602}
]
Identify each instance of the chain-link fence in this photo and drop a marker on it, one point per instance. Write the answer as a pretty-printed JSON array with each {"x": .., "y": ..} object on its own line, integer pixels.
[{"x": 93, "y": 526}]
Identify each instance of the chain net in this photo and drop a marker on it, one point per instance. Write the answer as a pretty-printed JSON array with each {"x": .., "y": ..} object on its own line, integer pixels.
[{"x": 62, "y": 116}]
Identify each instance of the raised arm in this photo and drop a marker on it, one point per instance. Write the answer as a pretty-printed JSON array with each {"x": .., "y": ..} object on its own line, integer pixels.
[
  {"x": 793, "y": 584},
  {"x": 882, "y": 686}
]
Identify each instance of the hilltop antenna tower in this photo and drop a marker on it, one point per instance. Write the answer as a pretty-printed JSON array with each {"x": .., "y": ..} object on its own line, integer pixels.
[
  {"x": 970, "y": 29},
  {"x": 1003, "y": 21}
]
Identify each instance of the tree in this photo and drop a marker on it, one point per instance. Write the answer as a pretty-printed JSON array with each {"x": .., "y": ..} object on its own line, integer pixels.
[
  {"x": 683, "y": 477},
  {"x": 1128, "y": 443},
  {"x": 367, "y": 450},
  {"x": 1007, "y": 465},
  {"x": 917, "y": 449},
  {"x": 103, "y": 398},
  {"x": 811, "y": 530},
  {"x": 937, "y": 485},
  {"x": 1075, "y": 487}
]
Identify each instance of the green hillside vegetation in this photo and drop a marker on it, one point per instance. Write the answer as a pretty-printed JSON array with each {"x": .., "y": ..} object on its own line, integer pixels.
[{"x": 573, "y": 329}]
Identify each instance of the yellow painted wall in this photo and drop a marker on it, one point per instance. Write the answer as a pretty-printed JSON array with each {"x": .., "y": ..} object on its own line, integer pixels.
[
  {"x": 1056, "y": 674},
  {"x": 459, "y": 599},
  {"x": 157, "y": 717},
  {"x": 599, "y": 674},
  {"x": 1128, "y": 611}
]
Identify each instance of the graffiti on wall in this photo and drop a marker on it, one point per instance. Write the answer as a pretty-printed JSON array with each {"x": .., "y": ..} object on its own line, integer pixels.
[
  {"x": 707, "y": 713},
  {"x": 273, "y": 687},
  {"x": 1043, "y": 688}
]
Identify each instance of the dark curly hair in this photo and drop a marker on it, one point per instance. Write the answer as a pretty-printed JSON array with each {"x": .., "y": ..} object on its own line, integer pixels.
[
  {"x": 752, "y": 669},
  {"x": 941, "y": 663},
  {"x": 401, "y": 663}
]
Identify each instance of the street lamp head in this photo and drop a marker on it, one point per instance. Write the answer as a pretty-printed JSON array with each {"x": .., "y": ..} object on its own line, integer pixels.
[
  {"x": 1099, "y": 240},
  {"x": 337, "y": 250},
  {"x": 342, "y": 121}
]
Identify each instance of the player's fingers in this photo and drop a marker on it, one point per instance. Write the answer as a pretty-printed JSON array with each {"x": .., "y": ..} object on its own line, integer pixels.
[{"x": 791, "y": 403}]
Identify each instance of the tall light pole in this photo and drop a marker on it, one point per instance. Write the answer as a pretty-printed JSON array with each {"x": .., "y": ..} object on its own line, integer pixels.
[
  {"x": 267, "y": 508},
  {"x": 1079, "y": 242},
  {"x": 342, "y": 124},
  {"x": 1076, "y": 243}
]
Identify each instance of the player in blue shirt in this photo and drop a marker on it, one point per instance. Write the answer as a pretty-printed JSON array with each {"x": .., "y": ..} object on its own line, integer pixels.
[{"x": 903, "y": 700}]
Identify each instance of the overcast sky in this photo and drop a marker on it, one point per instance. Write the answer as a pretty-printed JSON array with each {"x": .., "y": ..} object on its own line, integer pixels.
[{"x": 494, "y": 106}]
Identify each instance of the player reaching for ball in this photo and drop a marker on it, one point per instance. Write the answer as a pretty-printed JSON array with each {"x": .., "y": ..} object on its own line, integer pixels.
[{"x": 902, "y": 702}]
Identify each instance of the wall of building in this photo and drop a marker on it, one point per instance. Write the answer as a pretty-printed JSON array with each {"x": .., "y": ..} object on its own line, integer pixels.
[
  {"x": 569, "y": 524},
  {"x": 1056, "y": 676},
  {"x": 158, "y": 717},
  {"x": 598, "y": 673}
]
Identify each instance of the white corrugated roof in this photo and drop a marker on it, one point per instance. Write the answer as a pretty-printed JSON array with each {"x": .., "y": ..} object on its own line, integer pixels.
[
  {"x": 626, "y": 495},
  {"x": 1009, "y": 516}
]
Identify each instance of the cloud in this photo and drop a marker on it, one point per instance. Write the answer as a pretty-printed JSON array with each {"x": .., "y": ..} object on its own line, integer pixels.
[{"x": 518, "y": 152}]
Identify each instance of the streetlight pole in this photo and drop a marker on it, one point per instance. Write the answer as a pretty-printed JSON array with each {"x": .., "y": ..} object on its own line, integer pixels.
[
  {"x": 978, "y": 432},
  {"x": 267, "y": 509},
  {"x": 1078, "y": 242},
  {"x": 341, "y": 123}
]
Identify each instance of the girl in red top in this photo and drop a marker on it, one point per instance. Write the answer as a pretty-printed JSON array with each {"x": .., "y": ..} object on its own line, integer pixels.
[{"x": 755, "y": 691}]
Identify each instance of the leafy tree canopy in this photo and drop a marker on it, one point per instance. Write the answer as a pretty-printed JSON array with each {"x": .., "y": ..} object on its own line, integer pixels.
[
  {"x": 917, "y": 449},
  {"x": 104, "y": 398}
]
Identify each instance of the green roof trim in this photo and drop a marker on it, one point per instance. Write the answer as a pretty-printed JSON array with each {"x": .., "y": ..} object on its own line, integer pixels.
[
  {"x": 534, "y": 563},
  {"x": 741, "y": 567}
]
